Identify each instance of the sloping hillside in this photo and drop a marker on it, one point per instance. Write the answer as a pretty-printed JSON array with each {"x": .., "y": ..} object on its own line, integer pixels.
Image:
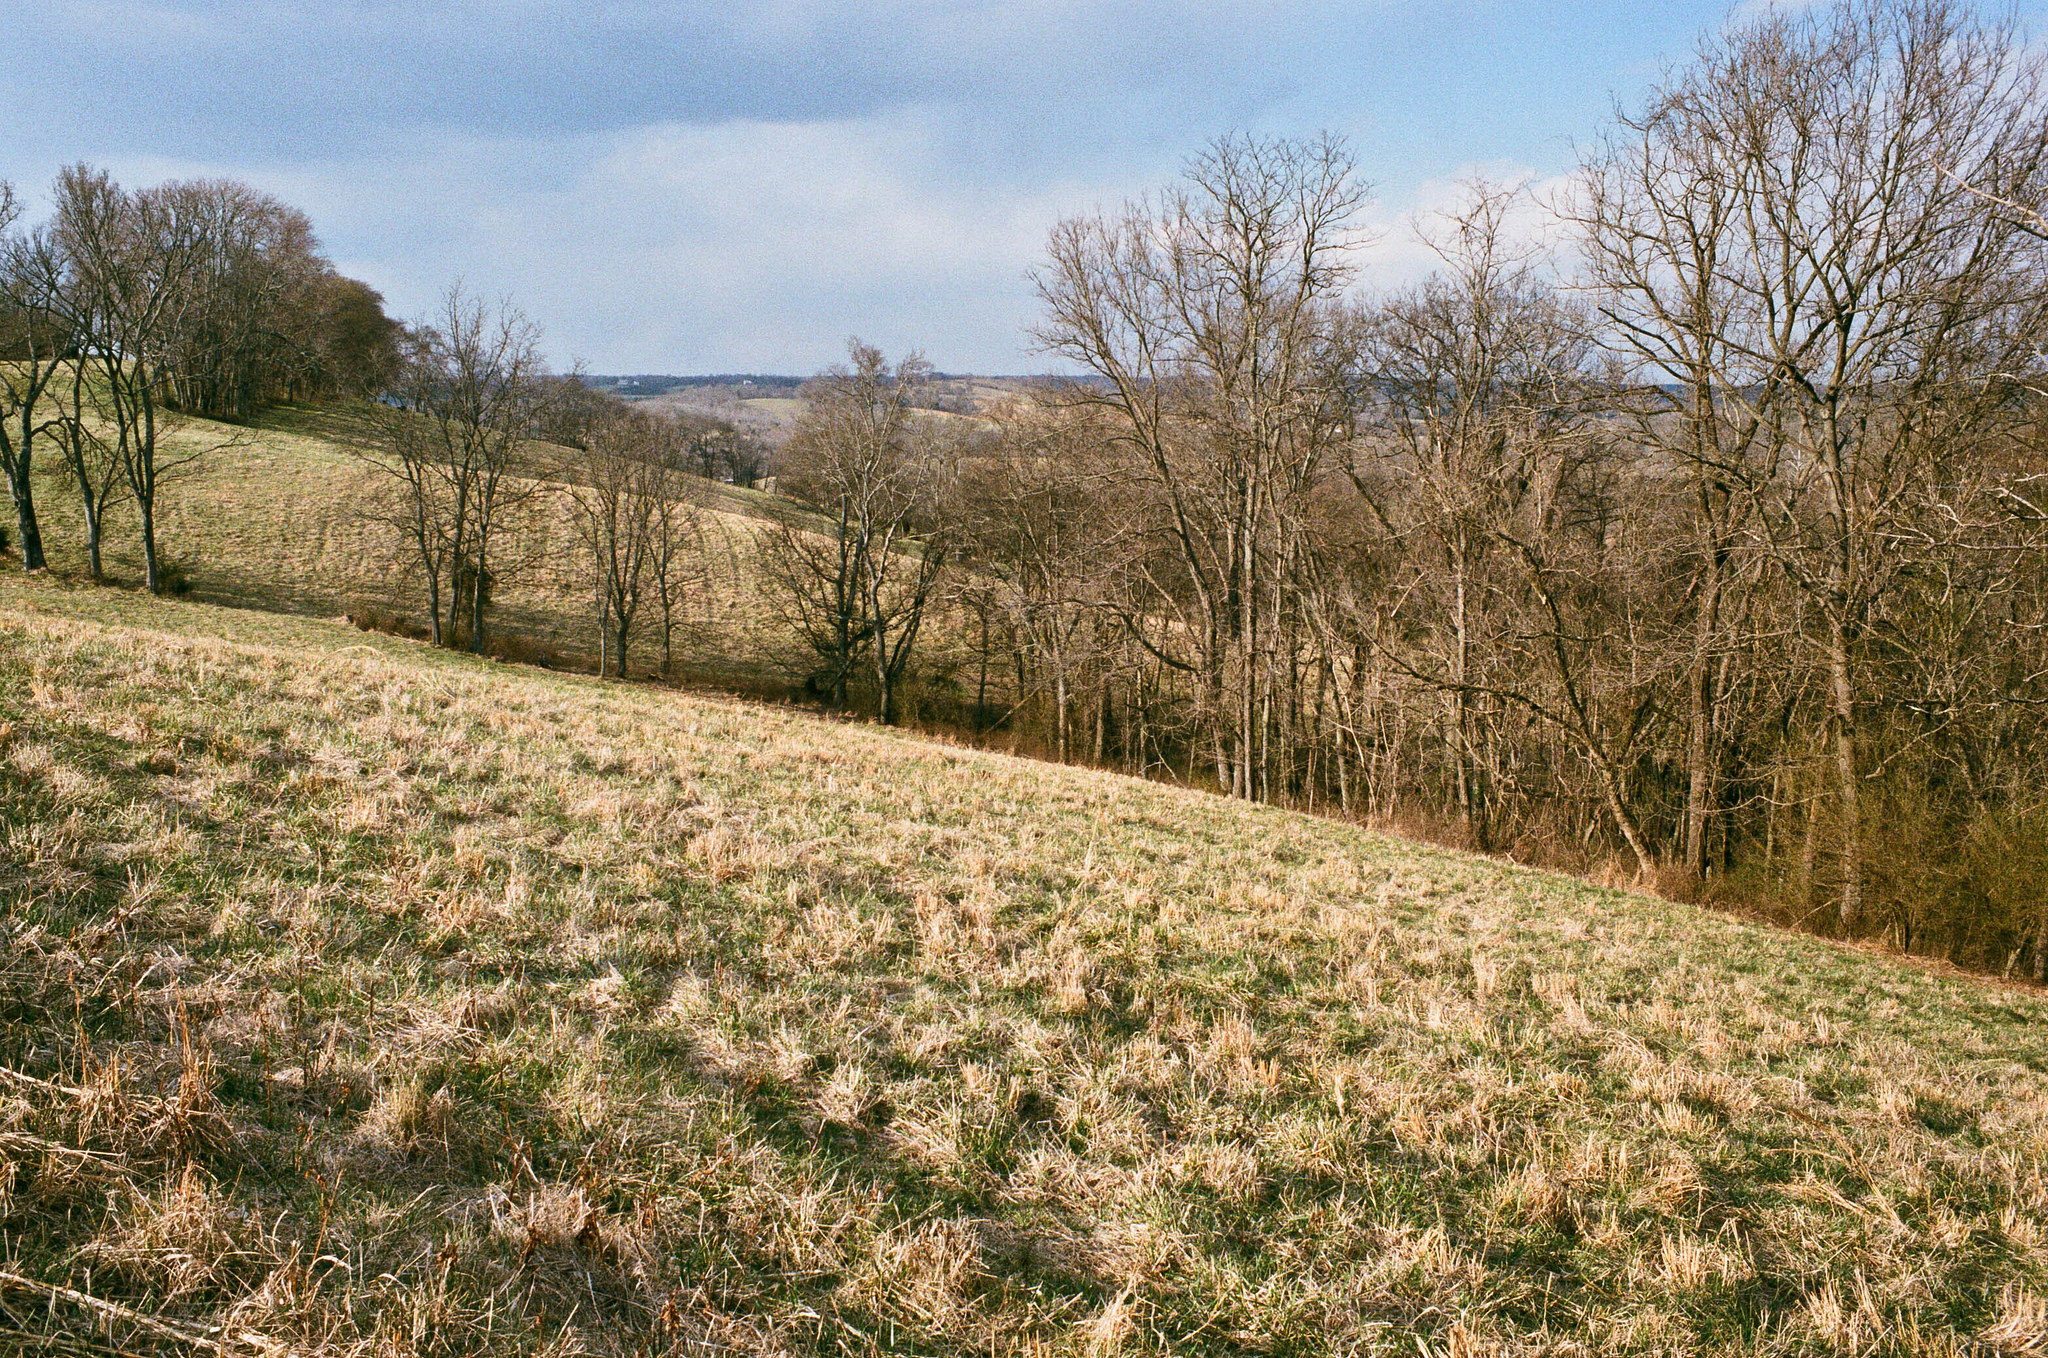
[
  {"x": 361, "y": 998},
  {"x": 283, "y": 517}
]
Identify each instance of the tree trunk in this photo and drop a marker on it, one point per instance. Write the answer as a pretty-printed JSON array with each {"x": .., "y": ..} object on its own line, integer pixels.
[
  {"x": 1809, "y": 855},
  {"x": 152, "y": 567},
  {"x": 1059, "y": 690},
  {"x": 885, "y": 700},
  {"x": 1699, "y": 752},
  {"x": 92, "y": 541},
  {"x": 2041, "y": 944},
  {"x": 1101, "y": 724},
  {"x": 1646, "y": 866},
  {"x": 433, "y": 599},
  {"x": 884, "y": 681},
  {"x": 453, "y": 631},
  {"x": 1847, "y": 784},
  {"x": 25, "y": 515},
  {"x": 981, "y": 684},
  {"x": 1140, "y": 765},
  {"x": 477, "y": 600},
  {"x": 1461, "y": 713}
]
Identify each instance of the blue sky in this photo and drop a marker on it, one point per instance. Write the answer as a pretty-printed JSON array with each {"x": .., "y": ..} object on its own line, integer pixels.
[{"x": 740, "y": 186}]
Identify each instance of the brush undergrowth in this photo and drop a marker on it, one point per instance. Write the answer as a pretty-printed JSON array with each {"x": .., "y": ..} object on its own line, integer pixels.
[{"x": 358, "y": 998}]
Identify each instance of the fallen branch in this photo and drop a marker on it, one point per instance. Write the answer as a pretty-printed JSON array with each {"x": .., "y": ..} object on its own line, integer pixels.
[
  {"x": 16, "y": 1076},
  {"x": 197, "y": 1336},
  {"x": 22, "y": 1142}
]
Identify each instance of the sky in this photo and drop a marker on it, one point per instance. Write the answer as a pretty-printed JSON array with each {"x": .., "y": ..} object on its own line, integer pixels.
[{"x": 741, "y": 186}]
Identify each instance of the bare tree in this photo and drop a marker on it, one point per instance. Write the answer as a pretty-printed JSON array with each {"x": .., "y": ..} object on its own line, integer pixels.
[
  {"x": 1038, "y": 525},
  {"x": 356, "y": 346},
  {"x": 875, "y": 474},
  {"x": 131, "y": 264},
  {"x": 618, "y": 489},
  {"x": 721, "y": 451},
  {"x": 1857, "y": 298},
  {"x": 676, "y": 546},
  {"x": 469, "y": 398},
  {"x": 247, "y": 327},
  {"x": 1208, "y": 319},
  {"x": 33, "y": 341},
  {"x": 93, "y": 461},
  {"x": 1489, "y": 471},
  {"x": 1659, "y": 222},
  {"x": 1456, "y": 360},
  {"x": 59, "y": 314},
  {"x": 813, "y": 583}
]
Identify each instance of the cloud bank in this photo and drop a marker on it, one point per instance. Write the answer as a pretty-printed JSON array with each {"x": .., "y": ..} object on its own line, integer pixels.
[{"x": 693, "y": 187}]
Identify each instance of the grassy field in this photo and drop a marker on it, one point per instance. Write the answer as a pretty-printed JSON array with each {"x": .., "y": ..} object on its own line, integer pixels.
[
  {"x": 366, "y": 999},
  {"x": 280, "y": 517}
]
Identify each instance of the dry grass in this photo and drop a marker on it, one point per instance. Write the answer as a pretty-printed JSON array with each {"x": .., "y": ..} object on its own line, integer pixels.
[
  {"x": 364, "y": 999},
  {"x": 278, "y": 518}
]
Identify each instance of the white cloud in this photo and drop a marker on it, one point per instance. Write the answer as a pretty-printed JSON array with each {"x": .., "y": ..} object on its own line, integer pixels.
[
  {"x": 687, "y": 187},
  {"x": 749, "y": 245},
  {"x": 680, "y": 247}
]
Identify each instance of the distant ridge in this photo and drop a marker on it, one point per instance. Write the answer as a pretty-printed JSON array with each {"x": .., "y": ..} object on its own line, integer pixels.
[{"x": 654, "y": 384}]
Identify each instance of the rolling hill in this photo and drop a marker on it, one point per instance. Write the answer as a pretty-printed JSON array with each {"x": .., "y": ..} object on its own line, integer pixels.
[
  {"x": 280, "y": 516},
  {"x": 361, "y": 998}
]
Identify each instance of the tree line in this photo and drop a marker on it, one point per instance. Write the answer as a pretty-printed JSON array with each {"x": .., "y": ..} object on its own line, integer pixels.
[
  {"x": 129, "y": 315},
  {"x": 1703, "y": 527},
  {"x": 128, "y": 310}
]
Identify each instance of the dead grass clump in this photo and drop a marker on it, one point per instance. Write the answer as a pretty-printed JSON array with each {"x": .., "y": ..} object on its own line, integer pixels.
[
  {"x": 1530, "y": 1195},
  {"x": 189, "y": 1238},
  {"x": 956, "y": 931},
  {"x": 725, "y": 854},
  {"x": 833, "y": 932},
  {"x": 1079, "y": 983},
  {"x": 1686, "y": 1262},
  {"x": 1849, "y": 1319},
  {"x": 414, "y": 1122},
  {"x": 495, "y": 1011},
  {"x": 926, "y": 1278},
  {"x": 406, "y": 1116},
  {"x": 2022, "y": 1323},
  {"x": 462, "y": 912},
  {"x": 112, "y": 1112},
  {"x": 562, "y": 1222}
]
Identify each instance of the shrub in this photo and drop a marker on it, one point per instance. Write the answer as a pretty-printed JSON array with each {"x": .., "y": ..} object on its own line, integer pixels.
[
  {"x": 370, "y": 618},
  {"x": 176, "y": 578}
]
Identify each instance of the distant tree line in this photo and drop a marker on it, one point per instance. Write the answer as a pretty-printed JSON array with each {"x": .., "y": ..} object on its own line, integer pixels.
[{"x": 659, "y": 384}]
